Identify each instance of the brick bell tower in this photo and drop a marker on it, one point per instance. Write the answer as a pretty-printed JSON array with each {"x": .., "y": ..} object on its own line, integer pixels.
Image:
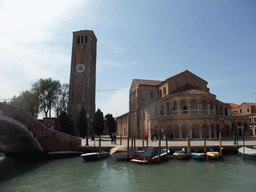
[{"x": 82, "y": 75}]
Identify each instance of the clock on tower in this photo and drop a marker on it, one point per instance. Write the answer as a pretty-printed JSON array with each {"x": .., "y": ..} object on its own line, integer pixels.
[{"x": 82, "y": 74}]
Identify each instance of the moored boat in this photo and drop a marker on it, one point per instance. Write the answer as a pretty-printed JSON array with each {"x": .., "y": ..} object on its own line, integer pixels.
[
  {"x": 197, "y": 155},
  {"x": 120, "y": 153},
  {"x": 94, "y": 156},
  {"x": 150, "y": 155},
  {"x": 182, "y": 154},
  {"x": 213, "y": 154},
  {"x": 247, "y": 152}
]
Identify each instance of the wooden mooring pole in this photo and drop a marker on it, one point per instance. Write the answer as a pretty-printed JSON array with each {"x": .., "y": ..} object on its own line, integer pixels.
[
  {"x": 143, "y": 139},
  {"x": 147, "y": 140},
  {"x": 128, "y": 148},
  {"x": 188, "y": 139},
  {"x": 166, "y": 146},
  {"x": 220, "y": 144},
  {"x": 134, "y": 145},
  {"x": 159, "y": 149},
  {"x": 205, "y": 149},
  {"x": 243, "y": 143},
  {"x": 99, "y": 144}
]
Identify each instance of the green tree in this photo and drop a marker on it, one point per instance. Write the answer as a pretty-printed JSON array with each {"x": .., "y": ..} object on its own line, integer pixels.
[
  {"x": 47, "y": 90},
  {"x": 66, "y": 125},
  {"x": 82, "y": 123},
  {"x": 111, "y": 123},
  {"x": 28, "y": 100},
  {"x": 98, "y": 125},
  {"x": 62, "y": 99}
]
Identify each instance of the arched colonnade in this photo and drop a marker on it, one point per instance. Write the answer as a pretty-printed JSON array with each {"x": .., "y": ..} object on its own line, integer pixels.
[
  {"x": 193, "y": 106},
  {"x": 195, "y": 130}
]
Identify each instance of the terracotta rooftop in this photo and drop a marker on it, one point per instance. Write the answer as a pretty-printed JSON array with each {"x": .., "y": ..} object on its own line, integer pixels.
[
  {"x": 234, "y": 106},
  {"x": 189, "y": 89},
  {"x": 146, "y": 82}
]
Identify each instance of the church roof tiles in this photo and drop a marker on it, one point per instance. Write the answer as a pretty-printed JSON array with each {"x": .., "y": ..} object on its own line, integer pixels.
[{"x": 189, "y": 89}]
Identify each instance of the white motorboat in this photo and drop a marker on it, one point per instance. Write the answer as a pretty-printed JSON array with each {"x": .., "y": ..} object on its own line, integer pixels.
[
  {"x": 247, "y": 152},
  {"x": 93, "y": 156}
]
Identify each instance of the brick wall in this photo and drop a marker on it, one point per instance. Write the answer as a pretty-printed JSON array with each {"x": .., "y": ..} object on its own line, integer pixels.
[{"x": 49, "y": 139}]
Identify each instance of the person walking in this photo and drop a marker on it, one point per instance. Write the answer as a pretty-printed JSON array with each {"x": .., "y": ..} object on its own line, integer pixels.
[{"x": 114, "y": 138}]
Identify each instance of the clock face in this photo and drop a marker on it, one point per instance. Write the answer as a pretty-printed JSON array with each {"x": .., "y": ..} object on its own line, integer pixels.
[{"x": 80, "y": 68}]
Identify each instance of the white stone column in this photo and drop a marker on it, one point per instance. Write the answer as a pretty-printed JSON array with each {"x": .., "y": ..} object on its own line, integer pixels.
[
  {"x": 189, "y": 109},
  {"x": 215, "y": 133},
  {"x": 178, "y": 109},
  {"x": 208, "y": 109},
  {"x": 214, "y": 109},
  {"x": 199, "y": 109}
]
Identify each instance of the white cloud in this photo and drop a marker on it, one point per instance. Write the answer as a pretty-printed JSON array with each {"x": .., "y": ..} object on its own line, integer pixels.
[
  {"x": 26, "y": 27},
  {"x": 117, "y": 104},
  {"x": 28, "y": 20}
]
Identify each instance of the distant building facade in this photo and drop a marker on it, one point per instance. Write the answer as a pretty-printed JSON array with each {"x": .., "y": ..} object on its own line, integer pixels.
[
  {"x": 247, "y": 110},
  {"x": 179, "y": 106}
]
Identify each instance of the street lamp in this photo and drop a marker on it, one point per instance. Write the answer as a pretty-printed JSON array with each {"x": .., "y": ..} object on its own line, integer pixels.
[
  {"x": 87, "y": 120},
  {"x": 92, "y": 136}
]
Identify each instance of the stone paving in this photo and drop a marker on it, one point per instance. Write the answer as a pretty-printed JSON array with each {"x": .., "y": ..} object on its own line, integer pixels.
[{"x": 106, "y": 142}]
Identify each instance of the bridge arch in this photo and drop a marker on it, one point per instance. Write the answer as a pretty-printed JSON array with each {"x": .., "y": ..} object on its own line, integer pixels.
[{"x": 15, "y": 136}]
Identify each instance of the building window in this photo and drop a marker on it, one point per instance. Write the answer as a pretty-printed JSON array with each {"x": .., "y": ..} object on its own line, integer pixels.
[
  {"x": 162, "y": 110},
  {"x": 164, "y": 91},
  {"x": 226, "y": 111},
  {"x": 248, "y": 110},
  {"x": 250, "y": 119},
  {"x": 151, "y": 95},
  {"x": 254, "y": 120},
  {"x": 241, "y": 110},
  {"x": 78, "y": 40}
]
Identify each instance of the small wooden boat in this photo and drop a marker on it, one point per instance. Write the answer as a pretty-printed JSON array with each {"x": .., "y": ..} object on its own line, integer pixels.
[
  {"x": 213, "y": 154},
  {"x": 94, "y": 156},
  {"x": 182, "y": 154},
  {"x": 248, "y": 153},
  {"x": 197, "y": 155},
  {"x": 119, "y": 153},
  {"x": 150, "y": 155}
]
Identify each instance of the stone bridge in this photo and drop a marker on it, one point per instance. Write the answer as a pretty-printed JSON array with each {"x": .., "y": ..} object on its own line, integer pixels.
[{"x": 21, "y": 133}]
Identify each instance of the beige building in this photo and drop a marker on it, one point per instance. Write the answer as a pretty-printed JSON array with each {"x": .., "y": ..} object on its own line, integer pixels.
[
  {"x": 178, "y": 106},
  {"x": 248, "y": 110}
]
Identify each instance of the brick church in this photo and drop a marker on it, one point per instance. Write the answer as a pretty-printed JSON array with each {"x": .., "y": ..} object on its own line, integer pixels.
[{"x": 178, "y": 106}]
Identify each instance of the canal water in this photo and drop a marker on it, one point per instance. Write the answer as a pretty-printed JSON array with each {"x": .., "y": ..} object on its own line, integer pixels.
[{"x": 74, "y": 174}]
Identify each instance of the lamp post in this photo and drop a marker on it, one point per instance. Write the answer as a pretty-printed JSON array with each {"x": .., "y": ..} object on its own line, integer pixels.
[
  {"x": 92, "y": 136},
  {"x": 87, "y": 120},
  {"x": 234, "y": 131}
]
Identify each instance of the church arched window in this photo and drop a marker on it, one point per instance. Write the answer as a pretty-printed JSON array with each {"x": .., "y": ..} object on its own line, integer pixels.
[{"x": 164, "y": 91}]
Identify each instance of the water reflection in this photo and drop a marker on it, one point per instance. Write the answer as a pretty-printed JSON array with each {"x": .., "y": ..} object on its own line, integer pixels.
[{"x": 74, "y": 174}]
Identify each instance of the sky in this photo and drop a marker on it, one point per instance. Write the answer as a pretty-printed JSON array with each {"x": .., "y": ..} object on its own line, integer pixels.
[{"x": 137, "y": 39}]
